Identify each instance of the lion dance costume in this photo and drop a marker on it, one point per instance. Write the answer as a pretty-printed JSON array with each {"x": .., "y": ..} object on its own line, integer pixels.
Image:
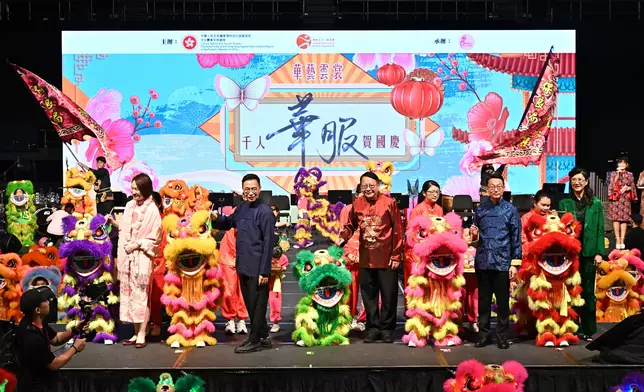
[
  {"x": 434, "y": 287},
  {"x": 322, "y": 317},
  {"x": 616, "y": 282},
  {"x": 471, "y": 375},
  {"x": 193, "y": 281},
  {"x": 385, "y": 172},
  {"x": 78, "y": 184},
  {"x": 8, "y": 381},
  {"x": 549, "y": 281},
  {"x": 180, "y": 200},
  {"x": 21, "y": 211},
  {"x": 632, "y": 382},
  {"x": 11, "y": 271},
  {"x": 89, "y": 265},
  {"x": 316, "y": 213},
  {"x": 187, "y": 383}
]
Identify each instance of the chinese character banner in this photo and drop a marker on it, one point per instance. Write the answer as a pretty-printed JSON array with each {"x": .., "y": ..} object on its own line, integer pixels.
[{"x": 211, "y": 118}]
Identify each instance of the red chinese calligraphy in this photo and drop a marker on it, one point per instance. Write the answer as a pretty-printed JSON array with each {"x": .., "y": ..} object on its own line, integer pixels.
[
  {"x": 366, "y": 141},
  {"x": 338, "y": 71},
  {"x": 380, "y": 141},
  {"x": 394, "y": 141},
  {"x": 310, "y": 71},
  {"x": 324, "y": 71},
  {"x": 297, "y": 71},
  {"x": 246, "y": 142}
]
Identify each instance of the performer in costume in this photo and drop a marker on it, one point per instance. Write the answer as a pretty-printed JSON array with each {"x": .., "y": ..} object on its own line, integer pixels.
[
  {"x": 616, "y": 287},
  {"x": 385, "y": 172},
  {"x": 549, "y": 280},
  {"x": 540, "y": 206},
  {"x": 232, "y": 305},
  {"x": 471, "y": 289},
  {"x": 175, "y": 195},
  {"x": 280, "y": 230},
  {"x": 621, "y": 194},
  {"x": 8, "y": 381},
  {"x": 102, "y": 186},
  {"x": 322, "y": 317},
  {"x": 434, "y": 288},
  {"x": 88, "y": 275},
  {"x": 378, "y": 219},
  {"x": 471, "y": 375},
  {"x": 21, "y": 217},
  {"x": 278, "y": 266},
  {"x": 588, "y": 211},
  {"x": 193, "y": 281},
  {"x": 11, "y": 272},
  {"x": 632, "y": 382},
  {"x": 44, "y": 276},
  {"x": 139, "y": 239},
  {"x": 78, "y": 185},
  {"x": 42, "y": 255},
  {"x": 186, "y": 383}
]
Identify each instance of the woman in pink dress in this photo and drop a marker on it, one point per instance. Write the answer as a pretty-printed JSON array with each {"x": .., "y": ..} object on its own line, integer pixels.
[
  {"x": 621, "y": 193},
  {"x": 139, "y": 238}
]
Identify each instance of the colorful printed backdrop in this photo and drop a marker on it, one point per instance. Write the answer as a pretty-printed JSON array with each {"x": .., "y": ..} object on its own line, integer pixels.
[{"x": 167, "y": 116}]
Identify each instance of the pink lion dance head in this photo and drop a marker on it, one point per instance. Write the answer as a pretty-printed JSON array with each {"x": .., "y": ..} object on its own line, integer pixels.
[
  {"x": 471, "y": 375},
  {"x": 434, "y": 288}
]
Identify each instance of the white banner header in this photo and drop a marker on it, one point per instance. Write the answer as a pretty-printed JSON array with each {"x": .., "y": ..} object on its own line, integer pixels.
[{"x": 293, "y": 42}]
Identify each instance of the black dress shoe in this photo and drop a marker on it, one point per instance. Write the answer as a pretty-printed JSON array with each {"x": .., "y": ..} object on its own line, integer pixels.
[
  {"x": 248, "y": 348},
  {"x": 267, "y": 342},
  {"x": 387, "y": 337},
  {"x": 503, "y": 344},
  {"x": 482, "y": 342},
  {"x": 372, "y": 336}
]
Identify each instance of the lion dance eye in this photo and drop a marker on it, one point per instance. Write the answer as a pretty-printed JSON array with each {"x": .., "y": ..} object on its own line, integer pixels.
[
  {"x": 203, "y": 229},
  {"x": 569, "y": 230},
  {"x": 178, "y": 187},
  {"x": 50, "y": 256},
  {"x": 11, "y": 263},
  {"x": 602, "y": 272}
]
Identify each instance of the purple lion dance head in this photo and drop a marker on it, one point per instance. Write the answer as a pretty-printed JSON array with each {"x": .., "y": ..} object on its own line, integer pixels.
[
  {"x": 631, "y": 383},
  {"x": 88, "y": 250}
]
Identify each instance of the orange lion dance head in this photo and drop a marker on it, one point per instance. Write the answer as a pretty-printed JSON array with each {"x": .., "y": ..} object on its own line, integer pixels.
[{"x": 616, "y": 282}]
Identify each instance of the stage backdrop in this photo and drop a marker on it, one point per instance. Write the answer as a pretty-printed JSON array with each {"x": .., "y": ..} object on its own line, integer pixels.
[{"x": 211, "y": 106}]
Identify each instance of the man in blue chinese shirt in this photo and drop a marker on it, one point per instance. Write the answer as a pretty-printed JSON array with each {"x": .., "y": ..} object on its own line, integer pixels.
[{"x": 496, "y": 233}]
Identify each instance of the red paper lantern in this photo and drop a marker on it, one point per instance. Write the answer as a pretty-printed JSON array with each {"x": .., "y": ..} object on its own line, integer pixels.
[
  {"x": 391, "y": 74},
  {"x": 416, "y": 98}
]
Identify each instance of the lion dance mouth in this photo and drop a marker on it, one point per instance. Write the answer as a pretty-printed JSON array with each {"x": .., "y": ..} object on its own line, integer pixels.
[
  {"x": 434, "y": 288},
  {"x": 192, "y": 284},
  {"x": 322, "y": 316}
]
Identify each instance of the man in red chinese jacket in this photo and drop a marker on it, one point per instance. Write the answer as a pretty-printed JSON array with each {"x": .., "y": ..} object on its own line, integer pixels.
[{"x": 381, "y": 245}]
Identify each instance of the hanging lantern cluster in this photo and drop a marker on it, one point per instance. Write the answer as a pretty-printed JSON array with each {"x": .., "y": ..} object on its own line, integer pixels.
[{"x": 391, "y": 74}]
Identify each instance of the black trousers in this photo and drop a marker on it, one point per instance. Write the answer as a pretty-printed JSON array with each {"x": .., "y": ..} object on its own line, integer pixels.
[
  {"x": 256, "y": 301},
  {"x": 383, "y": 283},
  {"x": 497, "y": 283}
]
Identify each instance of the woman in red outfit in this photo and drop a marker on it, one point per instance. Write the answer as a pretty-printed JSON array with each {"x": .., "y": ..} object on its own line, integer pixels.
[
  {"x": 541, "y": 206},
  {"x": 621, "y": 193}
]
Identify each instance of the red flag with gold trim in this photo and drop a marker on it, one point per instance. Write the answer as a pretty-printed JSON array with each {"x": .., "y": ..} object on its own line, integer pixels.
[
  {"x": 70, "y": 121},
  {"x": 528, "y": 145}
]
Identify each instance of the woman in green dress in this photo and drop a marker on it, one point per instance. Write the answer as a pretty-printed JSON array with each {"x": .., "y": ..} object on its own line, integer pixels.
[{"x": 589, "y": 212}]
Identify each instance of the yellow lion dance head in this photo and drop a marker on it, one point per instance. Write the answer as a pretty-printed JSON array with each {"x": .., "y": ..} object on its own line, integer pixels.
[
  {"x": 384, "y": 171},
  {"x": 616, "y": 281},
  {"x": 78, "y": 183},
  {"x": 192, "y": 284}
]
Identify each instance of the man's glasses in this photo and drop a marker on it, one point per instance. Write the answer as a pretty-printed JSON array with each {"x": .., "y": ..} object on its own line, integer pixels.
[
  {"x": 251, "y": 190},
  {"x": 496, "y": 187},
  {"x": 365, "y": 187}
]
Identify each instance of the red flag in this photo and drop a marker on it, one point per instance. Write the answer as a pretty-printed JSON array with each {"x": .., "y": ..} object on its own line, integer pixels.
[
  {"x": 528, "y": 144},
  {"x": 70, "y": 121}
]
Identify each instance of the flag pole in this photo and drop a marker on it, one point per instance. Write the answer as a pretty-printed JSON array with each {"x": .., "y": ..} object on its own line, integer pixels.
[{"x": 536, "y": 86}]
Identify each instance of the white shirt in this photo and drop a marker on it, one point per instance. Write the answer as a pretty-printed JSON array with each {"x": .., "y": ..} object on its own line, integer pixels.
[{"x": 55, "y": 220}]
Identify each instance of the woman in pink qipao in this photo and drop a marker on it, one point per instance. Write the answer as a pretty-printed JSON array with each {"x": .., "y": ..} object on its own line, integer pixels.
[{"x": 139, "y": 239}]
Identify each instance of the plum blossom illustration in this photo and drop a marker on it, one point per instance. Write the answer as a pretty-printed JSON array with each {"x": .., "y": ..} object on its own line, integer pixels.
[
  {"x": 224, "y": 60},
  {"x": 487, "y": 119},
  {"x": 130, "y": 170},
  {"x": 370, "y": 61},
  {"x": 105, "y": 109},
  {"x": 452, "y": 71},
  {"x": 472, "y": 150}
]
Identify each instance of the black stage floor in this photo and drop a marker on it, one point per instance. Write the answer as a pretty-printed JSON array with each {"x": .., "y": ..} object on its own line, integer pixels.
[{"x": 356, "y": 367}]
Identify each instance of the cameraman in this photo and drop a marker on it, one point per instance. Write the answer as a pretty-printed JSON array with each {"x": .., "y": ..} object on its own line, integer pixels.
[{"x": 38, "y": 365}]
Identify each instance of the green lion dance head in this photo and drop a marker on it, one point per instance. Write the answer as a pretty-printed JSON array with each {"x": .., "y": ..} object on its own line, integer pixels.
[
  {"x": 187, "y": 383},
  {"x": 21, "y": 218},
  {"x": 322, "y": 316}
]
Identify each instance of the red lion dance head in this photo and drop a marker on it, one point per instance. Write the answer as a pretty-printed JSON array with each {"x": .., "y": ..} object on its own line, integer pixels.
[
  {"x": 434, "y": 287},
  {"x": 471, "y": 375},
  {"x": 550, "y": 280},
  {"x": 616, "y": 281}
]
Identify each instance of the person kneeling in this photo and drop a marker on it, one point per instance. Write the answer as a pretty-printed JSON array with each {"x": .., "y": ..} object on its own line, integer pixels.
[{"x": 38, "y": 365}]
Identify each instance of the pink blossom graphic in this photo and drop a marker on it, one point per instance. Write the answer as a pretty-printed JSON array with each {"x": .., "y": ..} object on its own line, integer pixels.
[
  {"x": 487, "y": 119},
  {"x": 119, "y": 133},
  {"x": 473, "y": 149},
  {"x": 370, "y": 61},
  {"x": 463, "y": 185},
  {"x": 141, "y": 115},
  {"x": 131, "y": 170},
  {"x": 224, "y": 60},
  {"x": 105, "y": 105}
]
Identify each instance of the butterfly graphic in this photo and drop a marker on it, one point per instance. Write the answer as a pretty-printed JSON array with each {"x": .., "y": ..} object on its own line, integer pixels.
[
  {"x": 249, "y": 96},
  {"x": 426, "y": 144}
]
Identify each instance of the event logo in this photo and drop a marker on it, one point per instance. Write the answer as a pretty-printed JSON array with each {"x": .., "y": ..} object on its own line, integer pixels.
[
  {"x": 467, "y": 42},
  {"x": 303, "y": 41},
  {"x": 189, "y": 42}
]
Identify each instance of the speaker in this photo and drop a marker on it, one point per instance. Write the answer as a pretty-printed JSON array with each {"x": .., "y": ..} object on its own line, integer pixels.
[
  {"x": 622, "y": 344},
  {"x": 9, "y": 243}
]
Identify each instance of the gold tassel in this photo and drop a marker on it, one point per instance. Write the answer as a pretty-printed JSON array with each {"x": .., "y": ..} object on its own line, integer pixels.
[{"x": 192, "y": 288}]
